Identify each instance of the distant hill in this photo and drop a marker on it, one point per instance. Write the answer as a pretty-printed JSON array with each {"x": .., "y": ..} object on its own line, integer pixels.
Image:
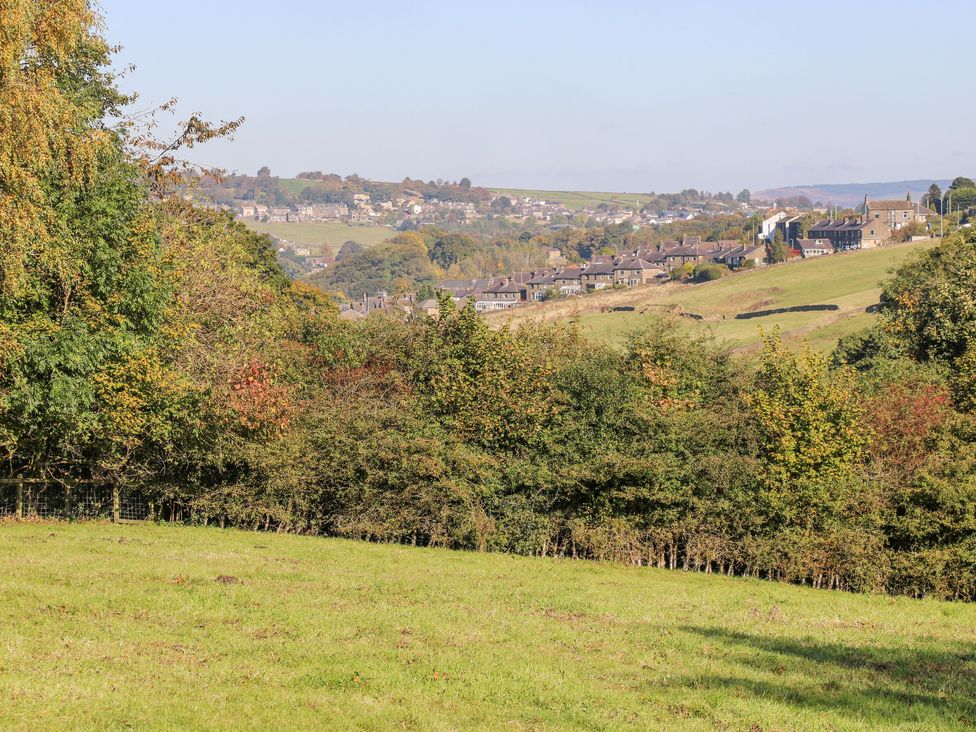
[{"x": 851, "y": 194}]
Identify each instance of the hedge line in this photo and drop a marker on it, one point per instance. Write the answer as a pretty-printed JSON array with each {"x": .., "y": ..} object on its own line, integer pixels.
[{"x": 794, "y": 309}]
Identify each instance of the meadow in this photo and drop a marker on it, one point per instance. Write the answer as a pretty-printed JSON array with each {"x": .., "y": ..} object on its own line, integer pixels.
[
  {"x": 852, "y": 281},
  {"x": 330, "y": 235},
  {"x": 154, "y": 627},
  {"x": 578, "y": 199}
]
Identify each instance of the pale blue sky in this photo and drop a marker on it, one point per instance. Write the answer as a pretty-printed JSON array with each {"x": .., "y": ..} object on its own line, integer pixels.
[{"x": 611, "y": 95}]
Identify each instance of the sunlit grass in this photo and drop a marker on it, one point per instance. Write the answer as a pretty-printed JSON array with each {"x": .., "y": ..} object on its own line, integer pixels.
[
  {"x": 329, "y": 235},
  {"x": 112, "y": 627},
  {"x": 578, "y": 199}
]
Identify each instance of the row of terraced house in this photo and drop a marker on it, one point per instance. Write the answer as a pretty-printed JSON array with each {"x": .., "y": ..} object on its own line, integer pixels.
[{"x": 629, "y": 269}]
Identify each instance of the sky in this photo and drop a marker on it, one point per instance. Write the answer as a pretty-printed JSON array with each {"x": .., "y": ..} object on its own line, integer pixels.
[{"x": 613, "y": 95}]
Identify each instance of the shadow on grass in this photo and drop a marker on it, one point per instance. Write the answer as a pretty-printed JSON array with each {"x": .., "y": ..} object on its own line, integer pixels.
[{"x": 926, "y": 683}]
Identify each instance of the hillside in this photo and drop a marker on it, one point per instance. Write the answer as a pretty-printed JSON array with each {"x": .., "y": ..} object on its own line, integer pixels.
[
  {"x": 329, "y": 235},
  {"x": 851, "y": 194},
  {"x": 851, "y": 281},
  {"x": 578, "y": 199},
  {"x": 159, "y": 627}
]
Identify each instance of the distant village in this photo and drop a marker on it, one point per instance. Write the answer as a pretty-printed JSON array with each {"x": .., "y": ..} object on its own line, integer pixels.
[
  {"x": 401, "y": 212},
  {"x": 625, "y": 269}
]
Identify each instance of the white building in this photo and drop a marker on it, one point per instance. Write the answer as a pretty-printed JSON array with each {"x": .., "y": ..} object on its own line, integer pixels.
[
  {"x": 814, "y": 247},
  {"x": 769, "y": 225}
]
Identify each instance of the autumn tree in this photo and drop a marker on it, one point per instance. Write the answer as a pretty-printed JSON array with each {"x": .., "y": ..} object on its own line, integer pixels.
[
  {"x": 930, "y": 305},
  {"x": 485, "y": 383},
  {"x": 810, "y": 426},
  {"x": 82, "y": 288}
]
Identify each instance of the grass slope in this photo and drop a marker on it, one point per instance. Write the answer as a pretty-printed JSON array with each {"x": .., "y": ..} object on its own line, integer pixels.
[
  {"x": 151, "y": 627},
  {"x": 577, "y": 199},
  {"x": 850, "y": 281},
  {"x": 329, "y": 235}
]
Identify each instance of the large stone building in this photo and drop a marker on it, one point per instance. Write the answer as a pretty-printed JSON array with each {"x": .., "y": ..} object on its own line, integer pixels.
[{"x": 895, "y": 214}]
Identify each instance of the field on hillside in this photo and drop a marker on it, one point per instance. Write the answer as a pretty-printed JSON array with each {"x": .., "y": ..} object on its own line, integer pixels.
[
  {"x": 330, "y": 234},
  {"x": 295, "y": 186},
  {"x": 850, "y": 281},
  {"x": 154, "y": 627},
  {"x": 578, "y": 199}
]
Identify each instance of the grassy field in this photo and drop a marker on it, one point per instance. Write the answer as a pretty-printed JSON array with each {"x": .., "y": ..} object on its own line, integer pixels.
[
  {"x": 578, "y": 199},
  {"x": 850, "y": 281},
  {"x": 295, "y": 186},
  {"x": 153, "y": 627},
  {"x": 330, "y": 235}
]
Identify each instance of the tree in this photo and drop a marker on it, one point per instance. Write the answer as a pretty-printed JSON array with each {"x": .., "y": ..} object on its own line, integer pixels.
[
  {"x": 962, "y": 182},
  {"x": 349, "y": 249},
  {"x": 264, "y": 172},
  {"x": 465, "y": 183},
  {"x": 484, "y": 383},
  {"x": 451, "y": 249},
  {"x": 83, "y": 294},
  {"x": 404, "y": 258},
  {"x": 707, "y": 272},
  {"x": 778, "y": 251},
  {"x": 963, "y": 198},
  {"x": 929, "y": 306},
  {"x": 809, "y": 424},
  {"x": 933, "y": 199},
  {"x": 744, "y": 196}
]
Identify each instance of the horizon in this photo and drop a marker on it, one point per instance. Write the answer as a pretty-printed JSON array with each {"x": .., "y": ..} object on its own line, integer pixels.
[{"x": 556, "y": 97}]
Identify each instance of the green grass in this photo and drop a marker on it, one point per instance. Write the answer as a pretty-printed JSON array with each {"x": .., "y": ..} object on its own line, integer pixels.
[
  {"x": 851, "y": 281},
  {"x": 578, "y": 199},
  {"x": 119, "y": 627},
  {"x": 295, "y": 186},
  {"x": 330, "y": 235}
]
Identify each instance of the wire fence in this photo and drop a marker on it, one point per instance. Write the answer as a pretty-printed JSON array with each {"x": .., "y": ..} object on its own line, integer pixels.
[
  {"x": 8, "y": 501},
  {"x": 84, "y": 500}
]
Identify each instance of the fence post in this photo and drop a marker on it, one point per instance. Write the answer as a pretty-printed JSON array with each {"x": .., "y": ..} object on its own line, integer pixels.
[
  {"x": 20, "y": 499},
  {"x": 116, "y": 504}
]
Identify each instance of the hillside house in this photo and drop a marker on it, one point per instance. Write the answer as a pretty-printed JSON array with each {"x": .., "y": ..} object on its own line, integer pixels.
[
  {"x": 555, "y": 256},
  {"x": 896, "y": 214},
  {"x": 814, "y": 247},
  {"x": 682, "y": 254},
  {"x": 569, "y": 281},
  {"x": 500, "y": 296},
  {"x": 538, "y": 285},
  {"x": 634, "y": 272},
  {"x": 429, "y": 306},
  {"x": 461, "y": 289},
  {"x": 849, "y": 234},
  {"x": 739, "y": 255},
  {"x": 597, "y": 276},
  {"x": 330, "y": 211},
  {"x": 790, "y": 228},
  {"x": 768, "y": 225}
]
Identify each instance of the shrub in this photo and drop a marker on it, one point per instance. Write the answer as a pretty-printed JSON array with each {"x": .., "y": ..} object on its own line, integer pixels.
[{"x": 709, "y": 272}]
